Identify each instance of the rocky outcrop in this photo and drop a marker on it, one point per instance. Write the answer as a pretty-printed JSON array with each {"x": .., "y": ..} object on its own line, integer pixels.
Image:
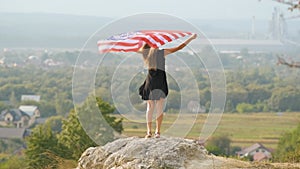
[{"x": 140, "y": 153}]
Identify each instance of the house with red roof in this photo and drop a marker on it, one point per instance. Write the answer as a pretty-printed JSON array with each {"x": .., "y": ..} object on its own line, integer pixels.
[{"x": 256, "y": 152}]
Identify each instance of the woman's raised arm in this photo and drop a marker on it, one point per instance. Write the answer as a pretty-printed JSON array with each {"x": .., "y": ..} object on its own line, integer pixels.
[{"x": 181, "y": 46}]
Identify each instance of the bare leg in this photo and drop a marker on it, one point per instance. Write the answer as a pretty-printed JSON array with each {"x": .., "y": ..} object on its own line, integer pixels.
[
  {"x": 149, "y": 113},
  {"x": 159, "y": 114}
]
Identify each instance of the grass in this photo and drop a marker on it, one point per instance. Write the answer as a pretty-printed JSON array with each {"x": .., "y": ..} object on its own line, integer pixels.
[
  {"x": 2, "y": 155},
  {"x": 243, "y": 129}
]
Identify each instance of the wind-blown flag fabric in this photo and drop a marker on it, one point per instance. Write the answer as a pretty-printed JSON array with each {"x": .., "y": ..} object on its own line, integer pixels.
[{"x": 133, "y": 41}]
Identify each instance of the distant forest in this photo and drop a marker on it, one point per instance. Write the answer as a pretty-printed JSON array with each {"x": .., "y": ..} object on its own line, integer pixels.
[{"x": 253, "y": 84}]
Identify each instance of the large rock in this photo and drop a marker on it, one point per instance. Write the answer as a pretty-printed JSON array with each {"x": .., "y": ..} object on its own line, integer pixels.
[{"x": 140, "y": 153}]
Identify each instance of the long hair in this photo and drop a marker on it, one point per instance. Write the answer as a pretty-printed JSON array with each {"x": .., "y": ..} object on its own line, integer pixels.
[{"x": 149, "y": 56}]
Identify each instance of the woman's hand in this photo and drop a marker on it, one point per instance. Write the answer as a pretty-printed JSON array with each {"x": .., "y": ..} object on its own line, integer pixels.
[{"x": 194, "y": 36}]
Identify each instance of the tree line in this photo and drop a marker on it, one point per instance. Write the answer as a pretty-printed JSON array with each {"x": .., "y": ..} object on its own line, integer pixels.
[{"x": 261, "y": 89}]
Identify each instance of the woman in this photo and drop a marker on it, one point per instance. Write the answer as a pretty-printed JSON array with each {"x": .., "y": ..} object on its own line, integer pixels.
[{"x": 155, "y": 87}]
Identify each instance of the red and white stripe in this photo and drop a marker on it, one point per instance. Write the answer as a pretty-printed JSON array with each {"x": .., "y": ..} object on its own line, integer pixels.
[{"x": 134, "y": 41}]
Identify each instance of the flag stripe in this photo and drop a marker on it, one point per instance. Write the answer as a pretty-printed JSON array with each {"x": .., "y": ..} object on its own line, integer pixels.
[
  {"x": 168, "y": 37},
  {"x": 162, "y": 38},
  {"x": 119, "y": 49},
  {"x": 118, "y": 43},
  {"x": 158, "y": 40}
]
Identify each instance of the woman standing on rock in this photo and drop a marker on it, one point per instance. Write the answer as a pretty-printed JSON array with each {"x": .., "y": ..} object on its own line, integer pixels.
[{"x": 155, "y": 88}]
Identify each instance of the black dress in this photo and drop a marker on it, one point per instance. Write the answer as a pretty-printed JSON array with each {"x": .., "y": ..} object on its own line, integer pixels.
[{"x": 155, "y": 86}]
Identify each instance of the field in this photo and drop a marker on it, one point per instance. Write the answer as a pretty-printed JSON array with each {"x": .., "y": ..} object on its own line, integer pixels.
[{"x": 242, "y": 129}]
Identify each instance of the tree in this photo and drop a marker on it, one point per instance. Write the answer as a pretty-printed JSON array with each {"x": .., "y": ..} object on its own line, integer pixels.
[
  {"x": 12, "y": 99},
  {"x": 104, "y": 93},
  {"x": 257, "y": 93},
  {"x": 47, "y": 109},
  {"x": 174, "y": 100},
  {"x": 288, "y": 149},
  {"x": 86, "y": 128},
  {"x": 60, "y": 140},
  {"x": 43, "y": 149},
  {"x": 285, "y": 98},
  {"x": 106, "y": 110},
  {"x": 55, "y": 122},
  {"x": 14, "y": 162},
  {"x": 205, "y": 96},
  {"x": 74, "y": 137},
  {"x": 236, "y": 93},
  {"x": 245, "y": 108},
  {"x": 229, "y": 106},
  {"x": 3, "y": 106},
  {"x": 219, "y": 145},
  {"x": 62, "y": 104}
]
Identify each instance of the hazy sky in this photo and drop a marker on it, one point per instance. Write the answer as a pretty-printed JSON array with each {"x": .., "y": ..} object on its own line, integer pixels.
[{"x": 210, "y": 9}]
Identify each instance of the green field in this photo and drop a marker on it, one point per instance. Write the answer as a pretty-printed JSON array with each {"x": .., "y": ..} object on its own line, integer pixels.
[{"x": 242, "y": 129}]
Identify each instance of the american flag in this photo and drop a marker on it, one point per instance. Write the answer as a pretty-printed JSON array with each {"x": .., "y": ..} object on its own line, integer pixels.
[{"x": 133, "y": 41}]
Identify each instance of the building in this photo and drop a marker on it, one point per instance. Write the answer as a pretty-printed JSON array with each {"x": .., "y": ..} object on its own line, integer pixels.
[
  {"x": 35, "y": 98},
  {"x": 32, "y": 111},
  {"x": 13, "y": 133},
  {"x": 23, "y": 117},
  {"x": 257, "y": 152},
  {"x": 14, "y": 117}
]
